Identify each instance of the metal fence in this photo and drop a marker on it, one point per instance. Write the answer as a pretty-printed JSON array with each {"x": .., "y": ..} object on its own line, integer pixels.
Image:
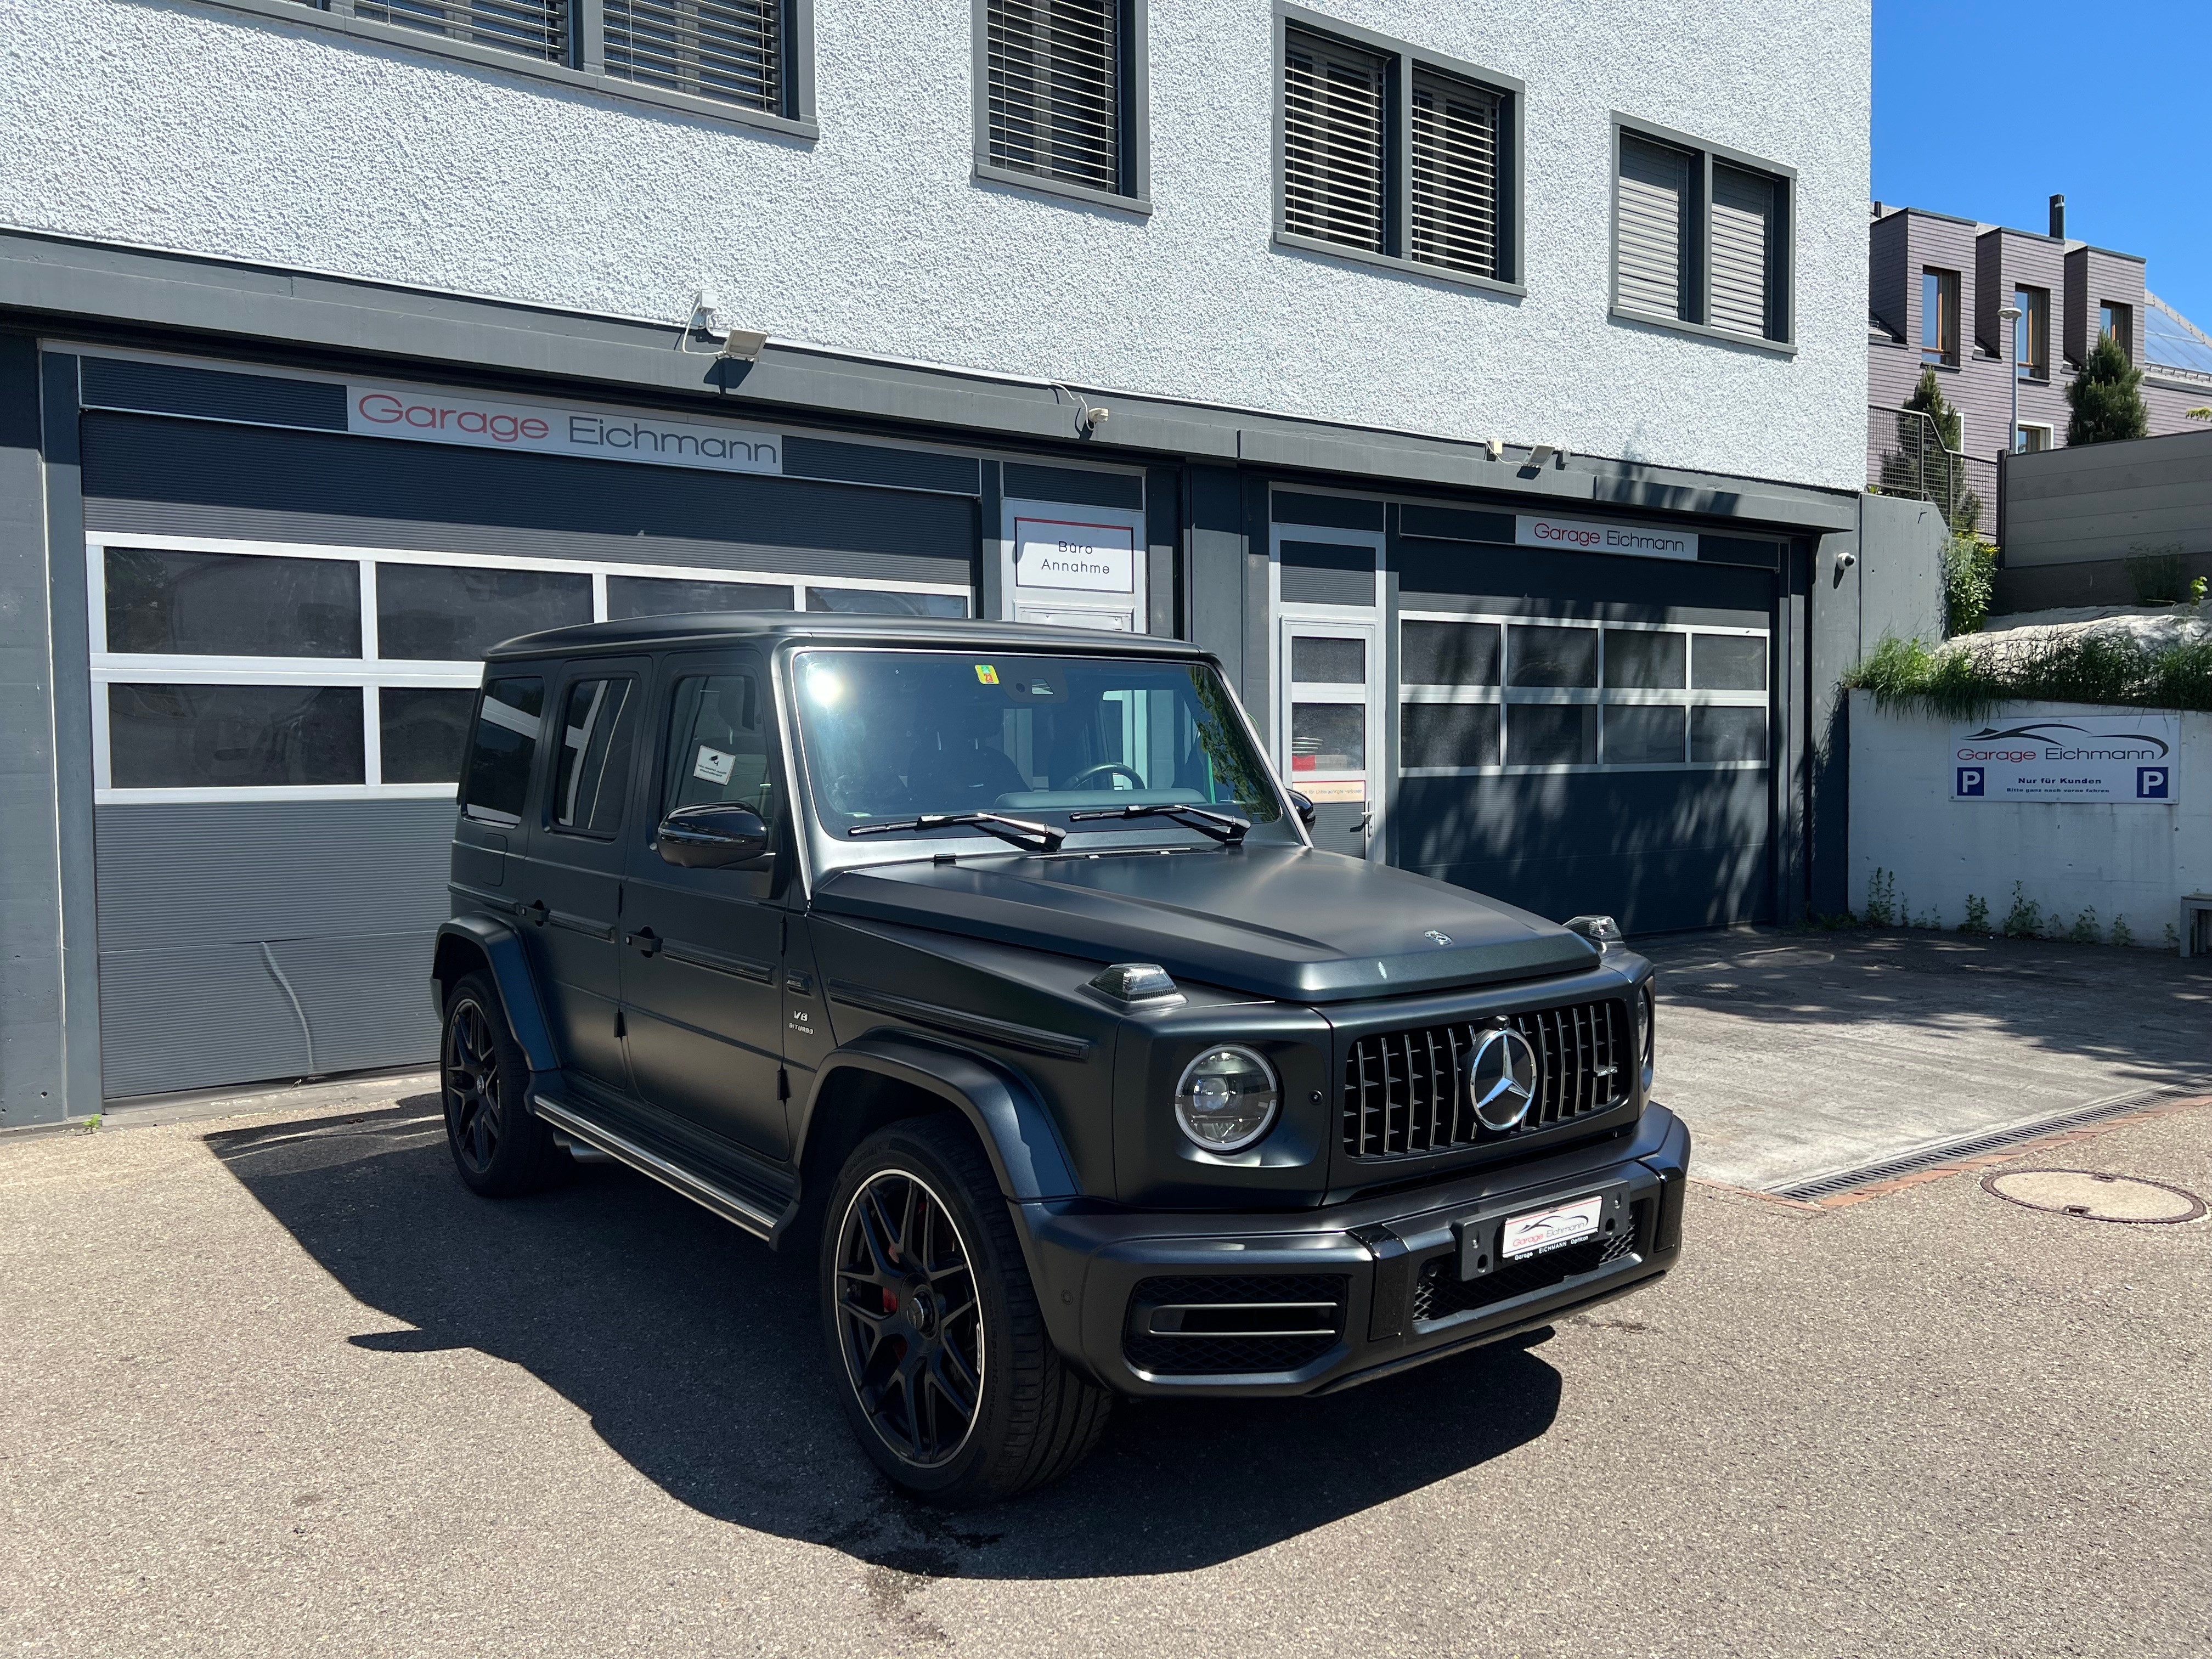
[{"x": 1906, "y": 456}]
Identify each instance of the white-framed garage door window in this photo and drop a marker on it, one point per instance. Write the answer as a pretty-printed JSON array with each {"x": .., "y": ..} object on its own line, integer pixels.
[
  {"x": 1494, "y": 694},
  {"x": 226, "y": 669}
]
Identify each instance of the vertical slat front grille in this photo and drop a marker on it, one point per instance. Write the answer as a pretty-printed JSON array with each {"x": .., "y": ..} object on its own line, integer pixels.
[
  {"x": 1054, "y": 92},
  {"x": 1653, "y": 216},
  {"x": 731, "y": 50},
  {"x": 1404, "y": 1093},
  {"x": 1333, "y": 142},
  {"x": 535, "y": 28},
  {"x": 1455, "y": 175}
]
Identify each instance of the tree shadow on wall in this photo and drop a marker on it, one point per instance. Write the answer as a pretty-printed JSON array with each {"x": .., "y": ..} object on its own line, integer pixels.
[{"x": 698, "y": 1356}]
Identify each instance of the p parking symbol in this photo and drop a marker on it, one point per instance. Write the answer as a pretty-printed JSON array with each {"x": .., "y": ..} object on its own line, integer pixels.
[
  {"x": 2152, "y": 783},
  {"x": 1970, "y": 781}
]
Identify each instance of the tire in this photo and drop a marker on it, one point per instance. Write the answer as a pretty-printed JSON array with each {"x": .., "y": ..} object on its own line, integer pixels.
[
  {"x": 499, "y": 1145},
  {"x": 945, "y": 1371}
]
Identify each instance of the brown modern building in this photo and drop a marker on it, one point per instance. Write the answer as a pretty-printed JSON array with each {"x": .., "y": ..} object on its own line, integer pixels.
[{"x": 1937, "y": 286}]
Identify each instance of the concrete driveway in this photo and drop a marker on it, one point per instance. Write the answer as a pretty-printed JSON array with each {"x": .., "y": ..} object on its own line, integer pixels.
[{"x": 277, "y": 1384}]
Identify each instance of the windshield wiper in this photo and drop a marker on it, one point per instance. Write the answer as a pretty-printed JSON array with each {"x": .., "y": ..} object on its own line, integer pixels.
[
  {"x": 1024, "y": 833},
  {"x": 1222, "y": 826}
]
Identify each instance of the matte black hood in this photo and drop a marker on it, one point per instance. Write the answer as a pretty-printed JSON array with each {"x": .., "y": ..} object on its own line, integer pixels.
[{"x": 1285, "y": 923}]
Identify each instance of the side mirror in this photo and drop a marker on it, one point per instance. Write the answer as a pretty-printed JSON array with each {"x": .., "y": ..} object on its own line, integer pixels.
[
  {"x": 1303, "y": 807},
  {"x": 712, "y": 837}
]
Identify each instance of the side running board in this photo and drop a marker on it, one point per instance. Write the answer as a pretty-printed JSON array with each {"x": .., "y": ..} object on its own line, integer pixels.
[{"x": 720, "y": 1200}]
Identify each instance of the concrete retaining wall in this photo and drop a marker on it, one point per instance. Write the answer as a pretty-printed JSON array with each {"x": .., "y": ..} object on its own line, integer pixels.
[{"x": 2119, "y": 860}]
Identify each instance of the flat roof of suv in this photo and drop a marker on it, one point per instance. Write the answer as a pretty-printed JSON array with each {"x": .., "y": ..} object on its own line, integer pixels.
[{"x": 772, "y": 628}]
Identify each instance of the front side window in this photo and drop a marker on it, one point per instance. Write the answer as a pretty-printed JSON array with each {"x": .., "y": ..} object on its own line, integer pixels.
[
  {"x": 1433, "y": 188},
  {"x": 1939, "y": 317},
  {"x": 509, "y": 724},
  {"x": 597, "y": 719},
  {"x": 2030, "y": 340},
  {"x": 718, "y": 745},
  {"x": 891, "y": 735},
  {"x": 1056, "y": 104},
  {"x": 1701, "y": 238}
]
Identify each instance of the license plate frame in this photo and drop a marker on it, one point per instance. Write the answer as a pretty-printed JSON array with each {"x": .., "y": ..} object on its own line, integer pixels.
[
  {"x": 1480, "y": 1237},
  {"x": 1553, "y": 1227}
]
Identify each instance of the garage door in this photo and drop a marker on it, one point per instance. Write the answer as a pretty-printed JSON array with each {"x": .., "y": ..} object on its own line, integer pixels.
[
  {"x": 286, "y": 626},
  {"x": 1579, "y": 732}
]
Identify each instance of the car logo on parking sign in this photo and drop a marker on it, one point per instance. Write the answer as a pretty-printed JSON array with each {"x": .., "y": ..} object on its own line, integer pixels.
[{"x": 1502, "y": 1074}]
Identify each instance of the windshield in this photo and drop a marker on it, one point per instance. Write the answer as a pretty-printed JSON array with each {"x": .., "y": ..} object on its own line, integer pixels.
[{"x": 891, "y": 735}]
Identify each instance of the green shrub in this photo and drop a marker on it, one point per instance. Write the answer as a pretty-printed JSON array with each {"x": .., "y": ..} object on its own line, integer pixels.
[
  {"x": 1977, "y": 915},
  {"x": 1881, "y": 899},
  {"x": 1969, "y": 575},
  {"x": 2025, "y": 919},
  {"x": 2085, "y": 930},
  {"x": 2158, "y": 574},
  {"x": 1965, "y": 681},
  {"x": 2106, "y": 397},
  {"x": 2121, "y": 934}
]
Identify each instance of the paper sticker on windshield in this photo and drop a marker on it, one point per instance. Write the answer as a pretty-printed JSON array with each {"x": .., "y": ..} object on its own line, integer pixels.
[
  {"x": 713, "y": 765},
  {"x": 986, "y": 673}
]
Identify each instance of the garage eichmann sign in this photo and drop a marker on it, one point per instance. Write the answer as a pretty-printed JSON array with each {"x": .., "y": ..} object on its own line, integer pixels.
[
  {"x": 430, "y": 416},
  {"x": 2088, "y": 758}
]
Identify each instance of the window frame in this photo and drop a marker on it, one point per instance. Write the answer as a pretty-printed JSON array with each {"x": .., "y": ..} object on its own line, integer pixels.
[
  {"x": 369, "y": 671},
  {"x": 2123, "y": 314},
  {"x": 586, "y": 71},
  {"x": 1403, "y": 59},
  {"x": 1134, "y": 90},
  {"x": 1599, "y": 696},
  {"x": 1782, "y": 285},
  {"x": 2035, "y": 318},
  {"x": 1950, "y": 316}
]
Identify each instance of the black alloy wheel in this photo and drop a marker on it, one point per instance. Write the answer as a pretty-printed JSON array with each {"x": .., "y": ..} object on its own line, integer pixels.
[
  {"x": 472, "y": 1103},
  {"x": 910, "y": 1318},
  {"x": 951, "y": 1382},
  {"x": 500, "y": 1147}
]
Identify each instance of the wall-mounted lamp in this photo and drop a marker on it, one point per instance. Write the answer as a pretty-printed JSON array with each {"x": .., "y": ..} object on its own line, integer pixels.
[
  {"x": 1089, "y": 416},
  {"x": 1542, "y": 454},
  {"x": 743, "y": 346}
]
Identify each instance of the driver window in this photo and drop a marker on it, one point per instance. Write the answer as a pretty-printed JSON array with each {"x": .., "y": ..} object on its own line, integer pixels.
[{"x": 718, "y": 734}]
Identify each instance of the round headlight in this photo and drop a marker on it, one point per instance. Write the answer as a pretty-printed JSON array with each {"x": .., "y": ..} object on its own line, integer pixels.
[
  {"x": 1648, "y": 1010},
  {"x": 1227, "y": 1099}
]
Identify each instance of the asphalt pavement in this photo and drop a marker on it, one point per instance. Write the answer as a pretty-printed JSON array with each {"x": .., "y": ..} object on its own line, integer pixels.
[{"x": 277, "y": 1384}]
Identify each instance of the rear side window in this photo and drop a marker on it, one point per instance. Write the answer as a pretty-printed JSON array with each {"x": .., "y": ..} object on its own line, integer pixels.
[
  {"x": 597, "y": 725},
  {"x": 499, "y": 753},
  {"x": 718, "y": 745}
]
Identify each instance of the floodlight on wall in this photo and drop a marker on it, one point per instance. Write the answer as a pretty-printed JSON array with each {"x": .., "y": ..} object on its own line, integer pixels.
[
  {"x": 743, "y": 346},
  {"x": 1542, "y": 454}
]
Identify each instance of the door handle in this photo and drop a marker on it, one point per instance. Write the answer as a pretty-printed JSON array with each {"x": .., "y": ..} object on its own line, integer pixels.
[
  {"x": 645, "y": 939},
  {"x": 534, "y": 911}
]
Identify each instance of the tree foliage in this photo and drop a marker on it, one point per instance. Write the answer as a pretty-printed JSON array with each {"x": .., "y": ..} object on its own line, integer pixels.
[
  {"x": 2106, "y": 397},
  {"x": 1925, "y": 463}
]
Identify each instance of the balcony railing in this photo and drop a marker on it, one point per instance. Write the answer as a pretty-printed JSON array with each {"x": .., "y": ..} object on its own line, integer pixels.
[{"x": 1906, "y": 456}]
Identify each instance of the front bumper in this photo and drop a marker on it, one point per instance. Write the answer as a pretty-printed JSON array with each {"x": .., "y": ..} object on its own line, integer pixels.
[{"x": 1311, "y": 1301}]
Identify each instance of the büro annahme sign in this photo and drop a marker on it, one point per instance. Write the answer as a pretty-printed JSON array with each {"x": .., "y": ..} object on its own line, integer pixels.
[
  {"x": 1091, "y": 558},
  {"x": 2128, "y": 758},
  {"x": 430, "y": 416},
  {"x": 1643, "y": 541}
]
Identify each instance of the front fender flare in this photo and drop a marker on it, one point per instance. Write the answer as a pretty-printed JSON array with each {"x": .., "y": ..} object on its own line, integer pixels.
[
  {"x": 1018, "y": 1135},
  {"x": 501, "y": 947}
]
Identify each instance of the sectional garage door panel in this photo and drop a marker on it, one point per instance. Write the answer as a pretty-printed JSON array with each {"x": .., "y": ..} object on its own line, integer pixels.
[
  {"x": 1661, "y": 851},
  {"x": 203, "y": 907},
  {"x": 152, "y": 475}
]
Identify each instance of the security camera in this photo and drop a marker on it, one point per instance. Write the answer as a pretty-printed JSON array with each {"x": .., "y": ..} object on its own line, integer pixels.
[
  {"x": 1093, "y": 417},
  {"x": 1845, "y": 560}
]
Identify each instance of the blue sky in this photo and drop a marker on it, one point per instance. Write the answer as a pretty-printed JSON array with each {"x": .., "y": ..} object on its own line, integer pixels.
[{"x": 1985, "y": 110}]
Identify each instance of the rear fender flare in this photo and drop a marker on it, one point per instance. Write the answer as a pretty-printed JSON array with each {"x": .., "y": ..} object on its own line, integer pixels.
[{"x": 500, "y": 949}]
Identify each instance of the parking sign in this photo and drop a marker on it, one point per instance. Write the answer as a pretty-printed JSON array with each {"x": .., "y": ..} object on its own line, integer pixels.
[
  {"x": 1970, "y": 782},
  {"x": 2151, "y": 782}
]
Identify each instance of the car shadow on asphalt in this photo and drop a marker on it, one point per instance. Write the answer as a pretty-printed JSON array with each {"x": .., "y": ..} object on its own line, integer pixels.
[{"x": 697, "y": 1354}]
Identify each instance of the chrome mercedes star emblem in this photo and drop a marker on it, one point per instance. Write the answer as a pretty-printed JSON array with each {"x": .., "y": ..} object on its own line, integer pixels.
[
  {"x": 1501, "y": 1078},
  {"x": 1434, "y": 938}
]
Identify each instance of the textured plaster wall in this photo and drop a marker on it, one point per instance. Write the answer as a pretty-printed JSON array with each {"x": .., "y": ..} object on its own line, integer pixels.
[
  {"x": 179, "y": 124},
  {"x": 2120, "y": 859}
]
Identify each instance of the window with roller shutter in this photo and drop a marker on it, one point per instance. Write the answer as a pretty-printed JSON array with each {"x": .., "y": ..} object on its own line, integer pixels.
[
  {"x": 1701, "y": 237},
  {"x": 1393, "y": 156}
]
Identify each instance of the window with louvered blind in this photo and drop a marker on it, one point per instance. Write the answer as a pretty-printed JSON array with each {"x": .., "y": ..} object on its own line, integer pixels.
[
  {"x": 1455, "y": 174},
  {"x": 730, "y": 51},
  {"x": 1701, "y": 238},
  {"x": 1654, "y": 215},
  {"x": 537, "y": 28},
  {"x": 1743, "y": 249},
  {"x": 1394, "y": 155},
  {"x": 1055, "y": 103},
  {"x": 1334, "y": 144}
]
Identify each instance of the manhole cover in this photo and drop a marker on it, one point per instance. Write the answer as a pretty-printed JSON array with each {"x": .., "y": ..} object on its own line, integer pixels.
[{"x": 2095, "y": 1197}]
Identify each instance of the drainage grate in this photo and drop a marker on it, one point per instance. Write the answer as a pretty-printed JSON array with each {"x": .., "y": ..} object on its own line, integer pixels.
[{"x": 1843, "y": 1180}]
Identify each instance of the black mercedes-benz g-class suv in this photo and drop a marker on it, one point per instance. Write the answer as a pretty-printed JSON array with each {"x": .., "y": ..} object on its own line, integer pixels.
[{"x": 995, "y": 964}]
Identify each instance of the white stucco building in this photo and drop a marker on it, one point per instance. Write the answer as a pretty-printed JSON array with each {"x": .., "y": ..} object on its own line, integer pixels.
[{"x": 1485, "y": 386}]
